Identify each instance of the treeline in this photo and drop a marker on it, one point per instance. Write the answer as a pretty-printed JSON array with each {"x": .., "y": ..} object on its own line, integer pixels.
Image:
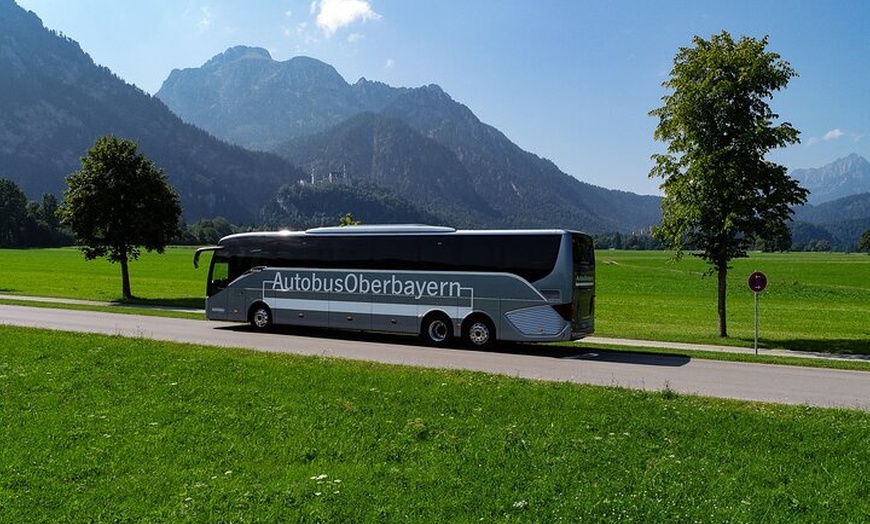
[
  {"x": 634, "y": 241},
  {"x": 804, "y": 237},
  {"x": 31, "y": 224},
  {"x": 26, "y": 223}
]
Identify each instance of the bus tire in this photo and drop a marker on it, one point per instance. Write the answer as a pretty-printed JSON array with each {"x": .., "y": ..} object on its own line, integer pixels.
[
  {"x": 478, "y": 332},
  {"x": 436, "y": 330},
  {"x": 260, "y": 317}
]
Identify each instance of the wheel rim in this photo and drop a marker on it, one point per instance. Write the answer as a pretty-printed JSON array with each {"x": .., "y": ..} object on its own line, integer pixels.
[
  {"x": 437, "y": 331},
  {"x": 261, "y": 318},
  {"x": 478, "y": 334}
]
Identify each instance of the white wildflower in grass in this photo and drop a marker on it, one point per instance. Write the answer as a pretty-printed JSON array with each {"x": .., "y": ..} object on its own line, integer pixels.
[
  {"x": 322, "y": 476},
  {"x": 521, "y": 504}
]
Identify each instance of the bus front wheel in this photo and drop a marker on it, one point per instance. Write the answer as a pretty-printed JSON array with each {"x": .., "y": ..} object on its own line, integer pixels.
[
  {"x": 261, "y": 317},
  {"x": 479, "y": 333},
  {"x": 437, "y": 330}
]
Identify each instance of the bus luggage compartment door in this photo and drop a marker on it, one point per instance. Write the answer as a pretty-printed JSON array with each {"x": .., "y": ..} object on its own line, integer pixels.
[{"x": 345, "y": 314}]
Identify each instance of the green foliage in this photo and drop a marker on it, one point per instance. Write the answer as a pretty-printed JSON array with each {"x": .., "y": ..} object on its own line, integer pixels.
[
  {"x": 29, "y": 224},
  {"x": 107, "y": 429},
  {"x": 348, "y": 220},
  {"x": 616, "y": 240},
  {"x": 721, "y": 195},
  {"x": 119, "y": 203},
  {"x": 864, "y": 242},
  {"x": 209, "y": 231},
  {"x": 13, "y": 210}
]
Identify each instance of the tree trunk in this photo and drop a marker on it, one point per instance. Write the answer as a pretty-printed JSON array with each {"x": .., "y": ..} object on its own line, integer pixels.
[
  {"x": 723, "y": 274},
  {"x": 125, "y": 278}
]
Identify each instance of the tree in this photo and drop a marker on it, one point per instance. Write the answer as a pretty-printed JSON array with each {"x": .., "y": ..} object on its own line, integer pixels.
[
  {"x": 864, "y": 242},
  {"x": 119, "y": 203},
  {"x": 348, "y": 220},
  {"x": 720, "y": 194},
  {"x": 13, "y": 213}
]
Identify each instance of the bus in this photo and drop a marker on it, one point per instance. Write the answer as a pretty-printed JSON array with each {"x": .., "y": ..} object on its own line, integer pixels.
[{"x": 443, "y": 284}]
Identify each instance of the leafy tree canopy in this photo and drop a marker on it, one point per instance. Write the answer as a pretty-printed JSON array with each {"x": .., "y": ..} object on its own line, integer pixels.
[
  {"x": 13, "y": 210},
  {"x": 864, "y": 241},
  {"x": 118, "y": 203},
  {"x": 721, "y": 195}
]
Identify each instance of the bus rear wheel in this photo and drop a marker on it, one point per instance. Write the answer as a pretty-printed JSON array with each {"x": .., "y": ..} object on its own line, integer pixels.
[
  {"x": 261, "y": 317},
  {"x": 436, "y": 330},
  {"x": 479, "y": 333}
]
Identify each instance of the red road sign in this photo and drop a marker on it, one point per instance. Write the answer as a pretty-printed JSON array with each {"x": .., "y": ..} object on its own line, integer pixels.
[{"x": 757, "y": 281}]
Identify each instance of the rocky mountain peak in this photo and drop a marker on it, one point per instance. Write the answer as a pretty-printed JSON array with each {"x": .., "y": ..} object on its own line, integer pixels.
[
  {"x": 237, "y": 53},
  {"x": 843, "y": 177}
]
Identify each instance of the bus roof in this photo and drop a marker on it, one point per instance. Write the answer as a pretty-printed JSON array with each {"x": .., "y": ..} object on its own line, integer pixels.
[
  {"x": 379, "y": 229},
  {"x": 391, "y": 229}
]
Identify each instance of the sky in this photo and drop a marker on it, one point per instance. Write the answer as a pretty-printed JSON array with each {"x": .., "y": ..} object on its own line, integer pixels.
[{"x": 571, "y": 81}]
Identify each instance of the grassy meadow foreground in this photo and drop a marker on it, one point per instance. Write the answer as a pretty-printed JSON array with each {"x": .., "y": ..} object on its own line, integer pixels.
[
  {"x": 108, "y": 429},
  {"x": 814, "y": 301}
]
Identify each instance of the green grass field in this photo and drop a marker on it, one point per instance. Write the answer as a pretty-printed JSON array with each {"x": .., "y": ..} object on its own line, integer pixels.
[
  {"x": 63, "y": 273},
  {"x": 108, "y": 429},
  {"x": 814, "y": 301}
]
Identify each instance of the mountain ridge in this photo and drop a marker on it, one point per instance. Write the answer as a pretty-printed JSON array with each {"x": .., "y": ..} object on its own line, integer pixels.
[
  {"x": 55, "y": 101},
  {"x": 508, "y": 186},
  {"x": 841, "y": 178}
]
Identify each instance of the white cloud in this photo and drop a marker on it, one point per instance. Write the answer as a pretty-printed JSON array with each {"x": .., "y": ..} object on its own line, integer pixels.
[
  {"x": 833, "y": 134},
  {"x": 390, "y": 63},
  {"x": 335, "y": 14},
  {"x": 205, "y": 22}
]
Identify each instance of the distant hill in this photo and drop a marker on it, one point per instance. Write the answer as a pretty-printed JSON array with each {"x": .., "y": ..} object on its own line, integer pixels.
[
  {"x": 303, "y": 206},
  {"x": 416, "y": 143},
  {"x": 839, "y": 222},
  {"x": 842, "y": 178},
  {"x": 55, "y": 102}
]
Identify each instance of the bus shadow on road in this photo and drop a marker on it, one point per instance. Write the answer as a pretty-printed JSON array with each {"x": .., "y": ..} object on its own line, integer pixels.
[
  {"x": 597, "y": 355},
  {"x": 554, "y": 351}
]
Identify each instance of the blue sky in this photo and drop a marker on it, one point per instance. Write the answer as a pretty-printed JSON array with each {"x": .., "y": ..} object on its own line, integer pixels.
[{"x": 569, "y": 80}]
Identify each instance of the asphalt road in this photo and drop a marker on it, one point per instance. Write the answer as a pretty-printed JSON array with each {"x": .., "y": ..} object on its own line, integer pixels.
[{"x": 735, "y": 380}]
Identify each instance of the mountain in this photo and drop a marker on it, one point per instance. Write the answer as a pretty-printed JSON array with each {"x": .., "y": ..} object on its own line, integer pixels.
[
  {"x": 371, "y": 149},
  {"x": 839, "y": 222},
  {"x": 55, "y": 102},
  {"x": 853, "y": 207},
  {"x": 841, "y": 178},
  {"x": 247, "y": 98},
  {"x": 417, "y": 143}
]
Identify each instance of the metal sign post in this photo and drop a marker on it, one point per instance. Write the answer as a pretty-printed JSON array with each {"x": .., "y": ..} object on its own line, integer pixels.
[{"x": 757, "y": 283}]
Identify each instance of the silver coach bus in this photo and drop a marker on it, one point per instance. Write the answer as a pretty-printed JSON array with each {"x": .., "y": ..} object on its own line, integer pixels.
[{"x": 438, "y": 282}]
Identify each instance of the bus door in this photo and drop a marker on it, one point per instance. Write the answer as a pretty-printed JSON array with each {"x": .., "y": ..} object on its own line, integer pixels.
[{"x": 218, "y": 277}]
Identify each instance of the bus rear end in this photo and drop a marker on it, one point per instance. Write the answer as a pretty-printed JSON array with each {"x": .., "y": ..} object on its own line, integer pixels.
[{"x": 583, "y": 294}]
